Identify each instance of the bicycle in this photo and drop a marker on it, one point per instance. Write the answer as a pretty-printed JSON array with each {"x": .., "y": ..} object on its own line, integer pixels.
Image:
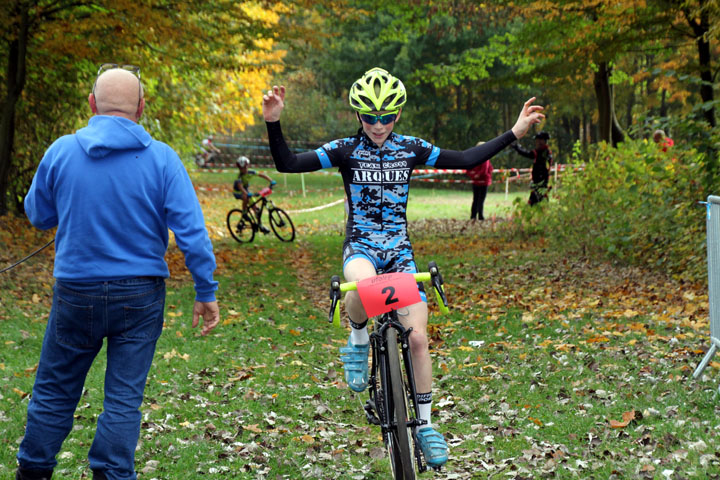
[
  {"x": 393, "y": 397},
  {"x": 244, "y": 224}
]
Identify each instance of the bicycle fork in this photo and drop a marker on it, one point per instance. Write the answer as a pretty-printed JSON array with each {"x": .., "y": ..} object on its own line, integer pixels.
[
  {"x": 373, "y": 406},
  {"x": 379, "y": 402}
]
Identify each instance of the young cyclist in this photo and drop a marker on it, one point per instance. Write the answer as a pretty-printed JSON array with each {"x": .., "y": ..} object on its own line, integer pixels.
[
  {"x": 376, "y": 164},
  {"x": 241, "y": 185}
]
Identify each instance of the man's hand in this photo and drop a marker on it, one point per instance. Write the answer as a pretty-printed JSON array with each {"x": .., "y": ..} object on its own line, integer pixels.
[
  {"x": 530, "y": 115},
  {"x": 273, "y": 103},
  {"x": 210, "y": 313}
]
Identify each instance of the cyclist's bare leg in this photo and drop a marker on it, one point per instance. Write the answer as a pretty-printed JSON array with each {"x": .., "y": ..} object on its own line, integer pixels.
[
  {"x": 355, "y": 270},
  {"x": 416, "y": 316},
  {"x": 244, "y": 201},
  {"x": 355, "y": 355}
]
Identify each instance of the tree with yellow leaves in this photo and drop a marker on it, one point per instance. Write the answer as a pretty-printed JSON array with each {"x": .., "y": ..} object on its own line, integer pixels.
[{"x": 201, "y": 63}]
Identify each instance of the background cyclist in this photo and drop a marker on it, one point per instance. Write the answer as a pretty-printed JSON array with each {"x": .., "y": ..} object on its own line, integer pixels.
[
  {"x": 376, "y": 164},
  {"x": 241, "y": 185},
  {"x": 209, "y": 150}
]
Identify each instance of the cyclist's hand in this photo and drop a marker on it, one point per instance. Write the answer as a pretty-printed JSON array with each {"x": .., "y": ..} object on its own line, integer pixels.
[
  {"x": 529, "y": 115},
  {"x": 273, "y": 103},
  {"x": 210, "y": 313},
  {"x": 272, "y": 183}
]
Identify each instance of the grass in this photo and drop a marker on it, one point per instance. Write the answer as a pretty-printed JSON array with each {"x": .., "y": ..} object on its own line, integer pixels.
[{"x": 535, "y": 366}]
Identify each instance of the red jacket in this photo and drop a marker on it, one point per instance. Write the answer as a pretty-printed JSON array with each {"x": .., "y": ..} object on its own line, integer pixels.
[
  {"x": 666, "y": 143},
  {"x": 482, "y": 174}
]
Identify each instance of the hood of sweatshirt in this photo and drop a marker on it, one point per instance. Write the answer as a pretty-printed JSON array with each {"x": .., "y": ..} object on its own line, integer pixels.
[{"x": 105, "y": 134}]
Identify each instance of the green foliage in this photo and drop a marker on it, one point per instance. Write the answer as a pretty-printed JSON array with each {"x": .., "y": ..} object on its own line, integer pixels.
[
  {"x": 449, "y": 64},
  {"x": 634, "y": 203}
]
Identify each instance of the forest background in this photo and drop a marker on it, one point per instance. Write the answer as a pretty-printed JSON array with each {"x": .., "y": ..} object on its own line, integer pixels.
[{"x": 608, "y": 72}]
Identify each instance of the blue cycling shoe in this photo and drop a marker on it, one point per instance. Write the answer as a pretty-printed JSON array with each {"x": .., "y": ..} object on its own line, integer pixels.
[
  {"x": 356, "y": 365},
  {"x": 433, "y": 446}
]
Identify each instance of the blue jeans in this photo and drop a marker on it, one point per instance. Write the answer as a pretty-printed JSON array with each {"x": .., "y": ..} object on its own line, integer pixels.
[{"x": 129, "y": 313}]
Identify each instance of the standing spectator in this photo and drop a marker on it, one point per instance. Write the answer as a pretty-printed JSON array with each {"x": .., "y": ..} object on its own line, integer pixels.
[
  {"x": 112, "y": 192},
  {"x": 663, "y": 141},
  {"x": 542, "y": 161},
  {"x": 481, "y": 177}
]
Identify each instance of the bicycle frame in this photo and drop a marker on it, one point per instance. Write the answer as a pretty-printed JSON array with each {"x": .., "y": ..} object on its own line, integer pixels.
[
  {"x": 378, "y": 407},
  {"x": 251, "y": 217},
  {"x": 256, "y": 218}
]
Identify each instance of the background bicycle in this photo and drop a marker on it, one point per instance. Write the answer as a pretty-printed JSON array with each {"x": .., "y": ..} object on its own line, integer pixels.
[
  {"x": 244, "y": 224},
  {"x": 393, "y": 397}
]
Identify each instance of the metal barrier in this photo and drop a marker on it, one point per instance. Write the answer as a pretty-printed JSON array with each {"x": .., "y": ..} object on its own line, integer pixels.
[{"x": 713, "y": 260}]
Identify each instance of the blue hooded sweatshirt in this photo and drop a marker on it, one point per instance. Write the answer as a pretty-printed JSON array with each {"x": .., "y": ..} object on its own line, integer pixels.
[{"x": 113, "y": 192}]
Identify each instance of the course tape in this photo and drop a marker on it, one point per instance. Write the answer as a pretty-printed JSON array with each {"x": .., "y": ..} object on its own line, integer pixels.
[
  {"x": 227, "y": 167},
  {"x": 313, "y": 209}
]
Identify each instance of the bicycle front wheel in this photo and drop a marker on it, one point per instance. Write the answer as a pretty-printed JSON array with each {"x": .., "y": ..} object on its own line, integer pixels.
[
  {"x": 397, "y": 439},
  {"x": 240, "y": 228},
  {"x": 281, "y": 224}
]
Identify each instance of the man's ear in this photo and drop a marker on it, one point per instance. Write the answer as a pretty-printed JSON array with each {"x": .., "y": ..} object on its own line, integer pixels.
[
  {"x": 398, "y": 115},
  {"x": 93, "y": 103},
  {"x": 141, "y": 108}
]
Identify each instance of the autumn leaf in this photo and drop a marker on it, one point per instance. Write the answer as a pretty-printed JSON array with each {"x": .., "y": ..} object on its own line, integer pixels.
[
  {"x": 252, "y": 428},
  {"x": 20, "y": 393},
  {"x": 627, "y": 417},
  {"x": 536, "y": 421}
]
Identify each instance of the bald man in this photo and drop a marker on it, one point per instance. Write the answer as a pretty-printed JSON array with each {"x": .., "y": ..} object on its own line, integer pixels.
[{"x": 112, "y": 192}]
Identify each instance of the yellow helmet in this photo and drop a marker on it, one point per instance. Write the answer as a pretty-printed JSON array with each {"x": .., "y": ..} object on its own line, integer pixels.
[{"x": 377, "y": 91}]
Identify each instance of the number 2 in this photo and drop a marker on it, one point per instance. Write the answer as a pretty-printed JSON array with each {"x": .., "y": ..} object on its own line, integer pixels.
[{"x": 390, "y": 299}]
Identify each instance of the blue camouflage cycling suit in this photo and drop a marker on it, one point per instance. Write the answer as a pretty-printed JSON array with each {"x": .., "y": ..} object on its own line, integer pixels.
[{"x": 377, "y": 180}]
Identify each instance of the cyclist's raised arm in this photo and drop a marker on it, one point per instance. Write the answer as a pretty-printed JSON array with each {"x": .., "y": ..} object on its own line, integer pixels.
[
  {"x": 286, "y": 160},
  {"x": 530, "y": 114},
  {"x": 472, "y": 156}
]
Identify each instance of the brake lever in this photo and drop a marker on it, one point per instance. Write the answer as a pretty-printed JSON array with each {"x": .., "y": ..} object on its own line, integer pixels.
[
  {"x": 437, "y": 283},
  {"x": 334, "y": 297}
]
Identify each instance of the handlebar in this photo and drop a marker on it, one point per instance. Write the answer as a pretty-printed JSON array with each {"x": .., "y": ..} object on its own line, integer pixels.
[{"x": 432, "y": 275}]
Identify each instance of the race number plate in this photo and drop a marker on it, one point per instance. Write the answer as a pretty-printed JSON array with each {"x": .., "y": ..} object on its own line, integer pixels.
[{"x": 386, "y": 292}]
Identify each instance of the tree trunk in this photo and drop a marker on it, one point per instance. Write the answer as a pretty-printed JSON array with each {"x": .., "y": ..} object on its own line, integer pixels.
[
  {"x": 610, "y": 130},
  {"x": 700, "y": 25},
  {"x": 15, "y": 83},
  {"x": 584, "y": 125},
  {"x": 663, "y": 104}
]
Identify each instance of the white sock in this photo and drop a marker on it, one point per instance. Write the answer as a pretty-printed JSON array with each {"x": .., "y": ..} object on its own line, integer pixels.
[
  {"x": 425, "y": 410},
  {"x": 359, "y": 336}
]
